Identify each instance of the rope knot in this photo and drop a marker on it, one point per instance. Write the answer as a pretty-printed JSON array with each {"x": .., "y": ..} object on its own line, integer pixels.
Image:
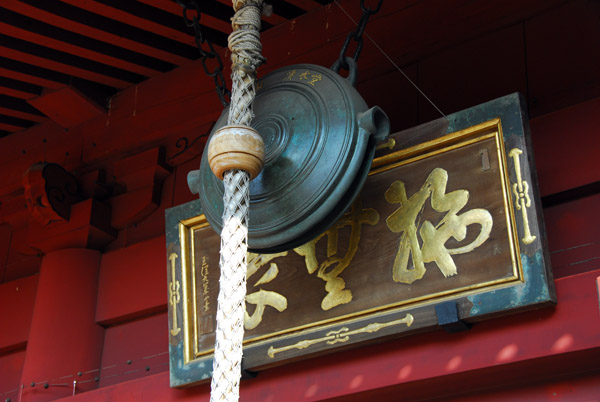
[{"x": 246, "y": 57}]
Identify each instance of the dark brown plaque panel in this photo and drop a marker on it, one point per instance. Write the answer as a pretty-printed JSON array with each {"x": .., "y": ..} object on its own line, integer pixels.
[{"x": 452, "y": 217}]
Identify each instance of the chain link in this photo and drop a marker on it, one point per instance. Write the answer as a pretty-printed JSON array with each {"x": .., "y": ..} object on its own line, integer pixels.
[
  {"x": 356, "y": 35},
  {"x": 206, "y": 49}
]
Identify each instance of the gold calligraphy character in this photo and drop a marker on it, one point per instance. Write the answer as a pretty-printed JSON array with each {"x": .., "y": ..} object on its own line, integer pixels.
[
  {"x": 263, "y": 298},
  {"x": 315, "y": 78},
  {"x": 304, "y": 75},
  {"x": 290, "y": 75},
  {"x": 406, "y": 219},
  {"x": 334, "y": 265},
  {"x": 205, "y": 284}
]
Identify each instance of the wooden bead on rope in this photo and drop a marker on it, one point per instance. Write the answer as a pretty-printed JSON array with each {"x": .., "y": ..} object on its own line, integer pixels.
[{"x": 236, "y": 147}]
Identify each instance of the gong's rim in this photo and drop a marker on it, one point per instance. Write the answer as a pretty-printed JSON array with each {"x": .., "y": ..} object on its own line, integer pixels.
[{"x": 287, "y": 208}]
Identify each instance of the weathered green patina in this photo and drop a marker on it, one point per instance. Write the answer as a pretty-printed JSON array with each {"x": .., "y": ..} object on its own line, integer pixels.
[{"x": 320, "y": 138}]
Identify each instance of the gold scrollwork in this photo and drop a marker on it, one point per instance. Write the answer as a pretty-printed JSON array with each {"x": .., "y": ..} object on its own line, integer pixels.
[
  {"x": 174, "y": 296},
  {"x": 521, "y": 192},
  {"x": 341, "y": 335},
  {"x": 390, "y": 144}
]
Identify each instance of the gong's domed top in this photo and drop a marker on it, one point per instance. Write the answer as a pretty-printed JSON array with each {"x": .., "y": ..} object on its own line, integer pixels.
[{"x": 315, "y": 151}]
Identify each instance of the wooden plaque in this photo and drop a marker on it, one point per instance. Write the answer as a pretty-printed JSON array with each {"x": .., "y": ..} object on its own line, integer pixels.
[{"x": 446, "y": 231}]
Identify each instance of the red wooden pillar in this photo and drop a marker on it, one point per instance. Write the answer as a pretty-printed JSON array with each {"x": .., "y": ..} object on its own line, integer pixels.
[{"x": 64, "y": 338}]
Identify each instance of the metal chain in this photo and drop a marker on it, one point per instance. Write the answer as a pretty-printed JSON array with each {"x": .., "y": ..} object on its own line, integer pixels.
[
  {"x": 206, "y": 52},
  {"x": 356, "y": 35}
]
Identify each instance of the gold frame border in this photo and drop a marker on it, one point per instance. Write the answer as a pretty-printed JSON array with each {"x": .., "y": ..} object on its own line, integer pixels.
[
  {"x": 187, "y": 227},
  {"x": 449, "y": 142}
]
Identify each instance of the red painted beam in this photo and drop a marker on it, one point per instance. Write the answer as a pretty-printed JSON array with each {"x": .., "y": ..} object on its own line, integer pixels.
[
  {"x": 22, "y": 115},
  {"x": 85, "y": 30},
  {"x": 581, "y": 387},
  {"x": 10, "y": 127},
  {"x": 133, "y": 20},
  {"x": 132, "y": 282},
  {"x": 572, "y": 33},
  {"x": 307, "y": 5},
  {"x": 67, "y": 106},
  {"x": 130, "y": 342},
  {"x": 11, "y": 365},
  {"x": 63, "y": 68},
  {"x": 30, "y": 79},
  {"x": 16, "y": 93},
  {"x": 174, "y": 102},
  {"x": 16, "y": 308},
  {"x": 565, "y": 145},
  {"x": 33, "y": 37},
  {"x": 174, "y": 8},
  {"x": 573, "y": 233},
  {"x": 571, "y": 376},
  {"x": 535, "y": 345},
  {"x": 328, "y": 26}
]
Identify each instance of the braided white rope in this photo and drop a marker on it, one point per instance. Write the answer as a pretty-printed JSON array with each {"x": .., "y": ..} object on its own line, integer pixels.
[
  {"x": 244, "y": 43},
  {"x": 232, "y": 288}
]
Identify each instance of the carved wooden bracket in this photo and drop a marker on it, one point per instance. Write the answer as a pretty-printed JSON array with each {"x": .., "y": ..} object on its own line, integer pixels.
[
  {"x": 50, "y": 191},
  {"x": 87, "y": 211}
]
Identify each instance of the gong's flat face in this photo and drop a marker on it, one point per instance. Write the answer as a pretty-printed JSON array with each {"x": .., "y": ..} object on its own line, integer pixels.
[{"x": 307, "y": 117}]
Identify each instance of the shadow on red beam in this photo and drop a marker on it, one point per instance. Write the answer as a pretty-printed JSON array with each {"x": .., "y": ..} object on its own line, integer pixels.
[
  {"x": 536, "y": 345},
  {"x": 487, "y": 380}
]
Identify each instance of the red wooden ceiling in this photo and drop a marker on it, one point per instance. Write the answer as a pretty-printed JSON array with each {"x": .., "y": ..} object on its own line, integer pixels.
[
  {"x": 544, "y": 48},
  {"x": 101, "y": 47}
]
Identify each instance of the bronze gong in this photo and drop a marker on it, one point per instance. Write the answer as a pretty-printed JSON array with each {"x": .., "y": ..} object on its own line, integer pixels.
[{"x": 319, "y": 140}]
